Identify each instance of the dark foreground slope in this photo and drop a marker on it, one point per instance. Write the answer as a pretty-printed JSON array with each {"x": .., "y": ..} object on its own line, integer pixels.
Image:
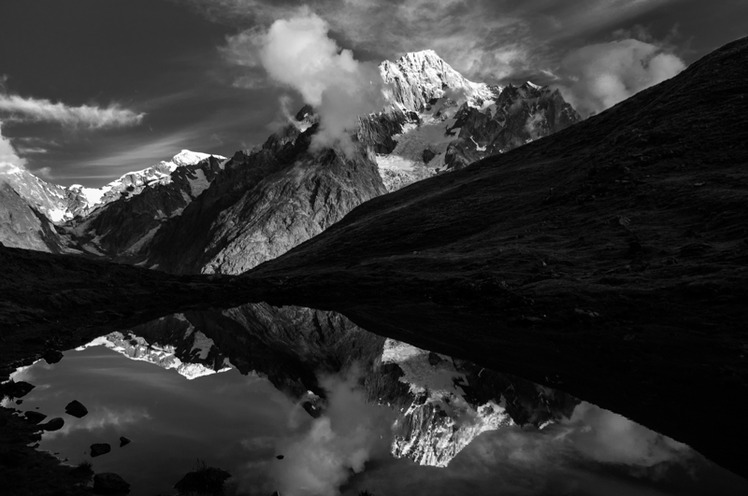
[
  {"x": 54, "y": 302},
  {"x": 609, "y": 260}
]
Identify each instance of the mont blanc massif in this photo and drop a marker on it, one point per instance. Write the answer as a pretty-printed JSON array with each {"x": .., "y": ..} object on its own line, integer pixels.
[{"x": 481, "y": 293}]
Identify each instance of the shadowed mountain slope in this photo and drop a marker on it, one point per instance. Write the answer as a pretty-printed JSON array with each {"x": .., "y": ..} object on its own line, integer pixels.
[{"x": 609, "y": 260}]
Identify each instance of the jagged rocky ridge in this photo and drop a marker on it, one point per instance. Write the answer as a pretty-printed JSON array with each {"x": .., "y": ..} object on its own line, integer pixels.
[
  {"x": 441, "y": 121},
  {"x": 442, "y": 403}
]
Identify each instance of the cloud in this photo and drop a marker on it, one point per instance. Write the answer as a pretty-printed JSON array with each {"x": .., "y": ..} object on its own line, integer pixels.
[
  {"x": 298, "y": 52},
  {"x": 607, "y": 437},
  {"x": 9, "y": 159},
  {"x": 604, "y": 74},
  {"x": 42, "y": 110},
  {"x": 99, "y": 419},
  {"x": 320, "y": 459},
  {"x": 483, "y": 39}
]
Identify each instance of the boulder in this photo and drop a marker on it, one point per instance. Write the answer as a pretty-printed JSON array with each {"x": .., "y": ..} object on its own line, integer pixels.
[
  {"x": 98, "y": 449},
  {"x": 53, "y": 425},
  {"x": 52, "y": 356},
  {"x": 76, "y": 409},
  {"x": 13, "y": 389},
  {"x": 34, "y": 417}
]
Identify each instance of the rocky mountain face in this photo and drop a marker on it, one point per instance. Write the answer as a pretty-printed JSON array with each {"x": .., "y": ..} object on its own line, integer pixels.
[
  {"x": 442, "y": 403},
  {"x": 263, "y": 204},
  {"x": 122, "y": 229}
]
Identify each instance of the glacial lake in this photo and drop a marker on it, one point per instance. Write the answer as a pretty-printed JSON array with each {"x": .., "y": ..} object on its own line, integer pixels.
[{"x": 304, "y": 402}]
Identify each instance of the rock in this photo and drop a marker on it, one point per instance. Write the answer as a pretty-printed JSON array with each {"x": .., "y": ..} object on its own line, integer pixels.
[
  {"x": 76, "y": 409},
  {"x": 280, "y": 457},
  {"x": 428, "y": 154},
  {"x": 34, "y": 417},
  {"x": 52, "y": 356},
  {"x": 110, "y": 483},
  {"x": 123, "y": 441},
  {"x": 98, "y": 449},
  {"x": 434, "y": 359},
  {"x": 53, "y": 425},
  {"x": 13, "y": 389}
]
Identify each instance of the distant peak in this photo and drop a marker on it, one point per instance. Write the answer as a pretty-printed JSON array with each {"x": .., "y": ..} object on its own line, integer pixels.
[
  {"x": 188, "y": 157},
  {"x": 428, "y": 53},
  {"x": 420, "y": 57}
]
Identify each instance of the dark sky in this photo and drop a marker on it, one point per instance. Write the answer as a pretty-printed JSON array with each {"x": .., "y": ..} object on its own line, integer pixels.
[{"x": 91, "y": 89}]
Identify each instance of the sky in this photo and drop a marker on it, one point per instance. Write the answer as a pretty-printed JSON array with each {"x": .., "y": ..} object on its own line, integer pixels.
[{"x": 90, "y": 90}]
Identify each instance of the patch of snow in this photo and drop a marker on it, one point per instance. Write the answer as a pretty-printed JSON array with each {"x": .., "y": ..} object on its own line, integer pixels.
[
  {"x": 477, "y": 146},
  {"x": 199, "y": 184}
]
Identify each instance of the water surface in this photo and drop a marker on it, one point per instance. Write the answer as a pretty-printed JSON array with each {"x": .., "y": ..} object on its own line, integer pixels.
[{"x": 306, "y": 403}]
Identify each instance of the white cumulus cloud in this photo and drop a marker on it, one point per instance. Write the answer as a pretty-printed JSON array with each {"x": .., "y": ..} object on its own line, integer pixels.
[
  {"x": 321, "y": 458},
  {"x": 604, "y": 74},
  {"x": 9, "y": 159},
  {"x": 297, "y": 52},
  {"x": 20, "y": 108}
]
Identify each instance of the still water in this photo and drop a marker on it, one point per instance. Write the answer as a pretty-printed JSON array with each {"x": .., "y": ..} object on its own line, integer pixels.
[{"x": 304, "y": 402}]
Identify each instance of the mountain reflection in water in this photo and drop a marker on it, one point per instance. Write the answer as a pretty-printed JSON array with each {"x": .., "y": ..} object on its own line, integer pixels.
[{"x": 307, "y": 403}]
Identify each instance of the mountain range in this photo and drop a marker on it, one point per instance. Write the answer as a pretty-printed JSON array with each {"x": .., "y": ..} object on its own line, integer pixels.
[{"x": 200, "y": 214}]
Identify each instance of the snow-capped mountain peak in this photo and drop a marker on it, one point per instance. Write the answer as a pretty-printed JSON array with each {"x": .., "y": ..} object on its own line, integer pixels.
[
  {"x": 417, "y": 78},
  {"x": 188, "y": 157}
]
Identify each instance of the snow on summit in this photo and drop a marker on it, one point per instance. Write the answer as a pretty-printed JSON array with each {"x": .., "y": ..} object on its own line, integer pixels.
[{"x": 419, "y": 77}]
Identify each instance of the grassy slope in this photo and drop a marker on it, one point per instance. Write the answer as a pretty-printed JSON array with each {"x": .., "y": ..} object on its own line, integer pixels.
[{"x": 610, "y": 260}]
